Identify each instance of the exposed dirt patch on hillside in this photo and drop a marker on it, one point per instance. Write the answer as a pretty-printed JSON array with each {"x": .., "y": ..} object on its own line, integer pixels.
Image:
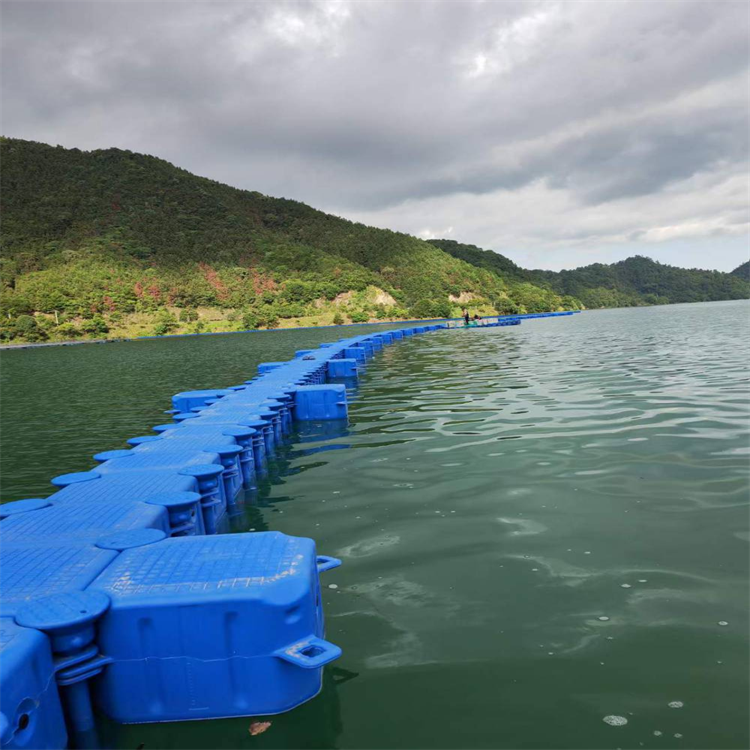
[{"x": 463, "y": 297}]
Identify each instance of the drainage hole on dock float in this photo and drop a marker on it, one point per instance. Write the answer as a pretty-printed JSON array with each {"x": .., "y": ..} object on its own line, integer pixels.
[
  {"x": 25, "y": 722},
  {"x": 311, "y": 651}
]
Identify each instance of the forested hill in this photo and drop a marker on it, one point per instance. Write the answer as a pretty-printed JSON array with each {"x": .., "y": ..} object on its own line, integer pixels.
[
  {"x": 487, "y": 259},
  {"x": 635, "y": 281},
  {"x": 112, "y": 242}
]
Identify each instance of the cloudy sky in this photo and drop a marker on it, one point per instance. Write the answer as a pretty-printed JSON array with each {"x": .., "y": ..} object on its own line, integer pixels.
[{"x": 557, "y": 133}]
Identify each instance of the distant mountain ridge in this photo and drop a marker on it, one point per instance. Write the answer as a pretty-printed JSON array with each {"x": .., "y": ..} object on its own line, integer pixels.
[
  {"x": 119, "y": 243},
  {"x": 635, "y": 281},
  {"x": 115, "y": 243}
]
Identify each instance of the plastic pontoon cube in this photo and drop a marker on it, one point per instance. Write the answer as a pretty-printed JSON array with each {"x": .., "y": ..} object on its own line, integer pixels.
[
  {"x": 30, "y": 712},
  {"x": 211, "y": 627},
  {"x": 319, "y": 402}
]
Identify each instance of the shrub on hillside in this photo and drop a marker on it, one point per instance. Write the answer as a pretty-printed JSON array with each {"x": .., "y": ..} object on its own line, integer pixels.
[
  {"x": 427, "y": 308},
  {"x": 165, "y": 323},
  {"x": 25, "y": 327},
  {"x": 506, "y": 307},
  {"x": 97, "y": 326},
  {"x": 67, "y": 331},
  {"x": 188, "y": 315},
  {"x": 249, "y": 320},
  {"x": 267, "y": 317}
]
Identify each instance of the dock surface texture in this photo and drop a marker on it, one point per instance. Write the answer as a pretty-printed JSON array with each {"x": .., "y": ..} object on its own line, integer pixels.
[{"x": 120, "y": 595}]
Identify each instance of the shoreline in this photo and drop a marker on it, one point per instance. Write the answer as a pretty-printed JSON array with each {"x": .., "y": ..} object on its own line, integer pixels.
[{"x": 76, "y": 342}]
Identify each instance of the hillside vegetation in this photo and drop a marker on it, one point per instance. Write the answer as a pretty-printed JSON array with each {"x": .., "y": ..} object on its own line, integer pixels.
[
  {"x": 632, "y": 282},
  {"x": 114, "y": 243}
]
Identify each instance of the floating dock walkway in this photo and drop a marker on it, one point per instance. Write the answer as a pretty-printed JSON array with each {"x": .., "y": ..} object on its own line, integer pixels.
[{"x": 119, "y": 591}]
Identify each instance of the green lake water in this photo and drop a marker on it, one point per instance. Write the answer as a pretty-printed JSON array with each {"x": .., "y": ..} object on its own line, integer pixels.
[{"x": 541, "y": 526}]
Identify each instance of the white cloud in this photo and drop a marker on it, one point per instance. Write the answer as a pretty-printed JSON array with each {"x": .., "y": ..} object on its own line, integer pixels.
[
  {"x": 517, "y": 41},
  {"x": 432, "y": 234},
  {"x": 544, "y": 227}
]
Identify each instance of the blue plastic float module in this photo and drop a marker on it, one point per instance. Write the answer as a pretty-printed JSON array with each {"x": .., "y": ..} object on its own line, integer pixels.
[
  {"x": 212, "y": 627},
  {"x": 165, "y": 455},
  {"x": 84, "y": 522},
  {"x": 183, "y": 440},
  {"x": 134, "y": 487},
  {"x": 320, "y": 402},
  {"x": 140, "y": 461},
  {"x": 32, "y": 570},
  {"x": 30, "y": 713},
  {"x": 195, "y": 626},
  {"x": 342, "y": 368},
  {"x": 187, "y": 399}
]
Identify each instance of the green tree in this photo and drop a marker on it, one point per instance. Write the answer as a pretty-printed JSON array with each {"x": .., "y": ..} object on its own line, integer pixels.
[
  {"x": 431, "y": 308},
  {"x": 165, "y": 323},
  {"x": 266, "y": 317},
  {"x": 188, "y": 315},
  {"x": 97, "y": 326},
  {"x": 249, "y": 320},
  {"x": 25, "y": 327},
  {"x": 67, "y": 331}
]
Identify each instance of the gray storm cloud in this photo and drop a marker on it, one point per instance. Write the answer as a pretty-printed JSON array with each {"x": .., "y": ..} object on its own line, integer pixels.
[{"x": 520, "y": 126}]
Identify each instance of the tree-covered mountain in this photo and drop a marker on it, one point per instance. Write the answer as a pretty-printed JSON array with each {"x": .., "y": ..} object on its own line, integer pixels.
[
  {"x": 116, "y": 243},
  {"x": 518, "y": 278},
  {"x": 119, "y": 243},
  {"x": 642, "y": 281},
  {"x": 635, "y": 281}
]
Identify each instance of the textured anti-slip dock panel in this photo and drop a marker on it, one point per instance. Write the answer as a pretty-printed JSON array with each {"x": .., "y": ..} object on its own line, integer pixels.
[
  {"x": 187, "y": 399},
  {"x": 139, "y": 461},
  {"x": 257, "y": 565},
  {"x": 82, "y": 522},
  {"x": 135, "y": 486},
  {"x": 194, "y": 429},
  {"x": 30, "y": 711},
  {"x": 30, "y": 571},
  {"x": 236, "y": 416},
  {"x": 254, "y": 395},
  {"x": 184, "y": 443}
]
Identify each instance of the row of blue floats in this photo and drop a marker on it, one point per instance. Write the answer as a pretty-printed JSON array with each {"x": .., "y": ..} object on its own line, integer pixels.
[
  {"x": 507, "y": 320},
  {"x": 118, "y": 592}
]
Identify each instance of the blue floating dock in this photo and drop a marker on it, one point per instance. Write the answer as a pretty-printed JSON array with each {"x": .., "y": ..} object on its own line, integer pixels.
[
  {"x": 82, "y": 522},
  {"x": 196, "y": 660},
  {"x": 122, "y": 574},
  {"x": 32, "y": 570}
]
